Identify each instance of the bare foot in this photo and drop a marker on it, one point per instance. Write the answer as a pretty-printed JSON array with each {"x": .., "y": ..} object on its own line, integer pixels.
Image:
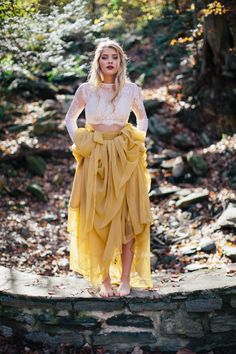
[
  {"x": 106, "y": 289},
  {"x": 123, "y": 289}
]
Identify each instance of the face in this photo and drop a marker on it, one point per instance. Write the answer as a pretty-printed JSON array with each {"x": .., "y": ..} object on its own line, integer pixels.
[{"x": 109, "y": 62}]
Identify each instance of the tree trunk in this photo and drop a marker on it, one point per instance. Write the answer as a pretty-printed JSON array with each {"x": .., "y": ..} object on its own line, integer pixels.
[
  {"x": 216, "y": 84},
  {"x": 219, "y": 42}
]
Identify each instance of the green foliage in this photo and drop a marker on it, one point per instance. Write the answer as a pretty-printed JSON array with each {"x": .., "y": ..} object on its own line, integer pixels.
[
  {"x": 51, "y": 46},
  {"x": 133, "y": 14},
  {"x": 19, "y": 8},
  {"x": 55, "y": 42}
]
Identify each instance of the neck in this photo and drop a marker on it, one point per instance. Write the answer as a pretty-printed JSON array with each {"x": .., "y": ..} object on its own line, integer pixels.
[{"x": 109, "y": 79}]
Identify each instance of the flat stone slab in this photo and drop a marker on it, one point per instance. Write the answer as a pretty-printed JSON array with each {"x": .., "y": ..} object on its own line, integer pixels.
[{"x": 13, "y": 281}]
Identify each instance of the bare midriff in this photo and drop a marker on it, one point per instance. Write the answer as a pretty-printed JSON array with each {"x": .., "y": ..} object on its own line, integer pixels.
[{"x": 107, "y": 128}]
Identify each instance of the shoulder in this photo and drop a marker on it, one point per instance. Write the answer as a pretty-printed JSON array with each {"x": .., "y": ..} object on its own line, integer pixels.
[
  {"x": 134, "y": 90},
  {"x": 131, "y": 84},
  {"x": 133, "y": 87},
  {"x": 83, "y": 89},
  {"x": 84, "y": 85}
]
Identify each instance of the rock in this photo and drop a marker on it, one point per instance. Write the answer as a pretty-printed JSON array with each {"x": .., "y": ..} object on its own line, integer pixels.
[
  {"x": 64, "y": 262},
  {"x": 197, "y": 163},
  {"x": 18, "y": 127},
  {"x": 160, "y": 230},
  {"x": 204, "y": 139},
  {"x": 8, "y": 170},
  {"x": 36, "y": 165},
  {"x": 74, "y": 338},
  {"x": 99, "y": 305},
  {"x": 155, "y": 160},
  {"x": 183, "y": 192},
  {"x": 25, "y": 231},
  {"x": 27, "y": 87},
  {"x": 41, "y": 128},
  {"x": 118, "y": 337},
  {"x": 153, "y": 259},
  {"x": 232, "y": 175},
  {"x": 170, "y": 153},
  {"x": 46, "y": 116},
  {"x": 180, "y": 236},
  {"x": 158, "y": 127},
  {"x": 204, "y": 305},
  {"x": 6, "y": 331},
  {"x": 182, "y": 324},
  {"x": 171, "y": 163},
  {"x": 3, "y": 184},
  {"x": 58, "y": 179},
  {"x": 233, "y": 303},
  {"x": 178, "y": 169},
  {"x": 137, "y": 350},
  {"x": 223, "y": 323},
  {"x": 153, "y": 194},
  {"x": 187, "y": 250},
  {"x": 163, "y": 191},
  {"x": 65, "y": 102},
  {"x": 167, "y": 259},
  {"x": 140, "y": 305},
  {"x": 152, "y": 105},
  {"x": 50, "y": 217},
  {"x": 70, "y": 320},
  {"x": 49, "y": 105},
  {"x": 206, "y": 244},
  {"x": 228, "y": 217},
  {"x": 230, "y": 251},
  {"x": 37, "y": 191},
  {"x": 130, "y": 320},
  {"x": 62, "y": 250},
  {"x": 192, "y": 199},
  {"x": 183, "y": 140},
  {"x": 194, "y": 266}
]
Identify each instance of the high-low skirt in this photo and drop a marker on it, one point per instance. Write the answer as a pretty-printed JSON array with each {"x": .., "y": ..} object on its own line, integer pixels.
[{"x": 109, "y": 205}]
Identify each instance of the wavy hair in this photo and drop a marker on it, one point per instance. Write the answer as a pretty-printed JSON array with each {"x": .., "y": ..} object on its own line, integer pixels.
[{"x": 95, "y": 76}]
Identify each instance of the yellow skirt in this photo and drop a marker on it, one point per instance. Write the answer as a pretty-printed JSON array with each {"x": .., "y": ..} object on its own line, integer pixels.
[{"x": 109, "y": 205}]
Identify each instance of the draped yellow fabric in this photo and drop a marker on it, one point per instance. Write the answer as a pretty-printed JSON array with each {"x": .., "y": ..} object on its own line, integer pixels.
[{"x": 109, "y": 205}]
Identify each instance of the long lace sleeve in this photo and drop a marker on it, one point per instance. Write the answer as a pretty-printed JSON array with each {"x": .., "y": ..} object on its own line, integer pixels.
[
  {"x": 77, "y": 105},
  {"x": 139, "y": 110}
]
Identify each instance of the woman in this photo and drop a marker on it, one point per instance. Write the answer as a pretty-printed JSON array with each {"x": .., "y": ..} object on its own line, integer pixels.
[{"x": 109, "y": 212}]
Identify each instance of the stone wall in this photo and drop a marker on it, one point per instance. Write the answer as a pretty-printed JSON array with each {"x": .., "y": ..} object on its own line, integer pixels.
[{"x": 170, "y": 319}]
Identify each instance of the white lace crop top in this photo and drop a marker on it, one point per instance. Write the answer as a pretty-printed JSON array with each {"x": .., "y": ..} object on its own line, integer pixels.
[{"x": 99, "y": 110}]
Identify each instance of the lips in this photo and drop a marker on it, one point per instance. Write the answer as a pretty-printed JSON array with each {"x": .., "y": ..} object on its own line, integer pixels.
[{"x": 110, "y": 67}]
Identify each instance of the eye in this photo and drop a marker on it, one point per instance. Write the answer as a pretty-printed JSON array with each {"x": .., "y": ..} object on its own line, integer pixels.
[{"x": 105, "y": 57}]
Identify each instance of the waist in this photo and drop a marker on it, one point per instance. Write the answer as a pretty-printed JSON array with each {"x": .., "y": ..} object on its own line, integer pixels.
[{"x": 113, "y": 128}]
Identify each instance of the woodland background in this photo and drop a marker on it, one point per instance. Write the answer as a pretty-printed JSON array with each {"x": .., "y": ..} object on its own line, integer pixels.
[{"x": 183, "y": 55}]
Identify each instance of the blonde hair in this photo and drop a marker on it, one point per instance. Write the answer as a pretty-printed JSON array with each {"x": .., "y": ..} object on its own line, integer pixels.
[{"x": 95, "y": 76}]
